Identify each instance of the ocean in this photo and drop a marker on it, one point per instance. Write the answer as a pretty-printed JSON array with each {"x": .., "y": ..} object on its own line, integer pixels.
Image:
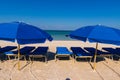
[{"x": 59, "y": 34}]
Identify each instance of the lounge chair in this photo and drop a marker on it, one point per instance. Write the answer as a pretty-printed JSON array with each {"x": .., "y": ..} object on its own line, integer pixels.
[
  {"x": 112, "y": 51},
  {"x": 6, "y": 49},
  {"x": 99, "y": 52},
  {"x": 23, "y": 52},
  {"x": 62, "y": 52},
  {"x": 80, "y": 53},
  {"x": 39, "y": 52}
]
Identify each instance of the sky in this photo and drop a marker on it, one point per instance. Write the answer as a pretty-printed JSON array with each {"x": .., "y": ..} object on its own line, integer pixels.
[{"x": 61, "y": 14}]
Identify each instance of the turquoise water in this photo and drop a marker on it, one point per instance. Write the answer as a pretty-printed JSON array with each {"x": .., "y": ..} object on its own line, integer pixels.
[{"x": 59, "y": 34}]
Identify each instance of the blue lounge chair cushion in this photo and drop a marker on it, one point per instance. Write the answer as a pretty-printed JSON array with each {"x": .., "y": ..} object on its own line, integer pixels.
[
  {"x": 25, "y": 50},
  {"x": 9, "y": 52},
  {"x": 83, "y": 54},
  {"x": 7, "y": 48},
  {"x": 92, "y": 51},
  {"x": 78, "y": 51},
  {"x": 110, "y": 50},
  {"x": 62, "y": 50},
  {"x": 40, "y": 51}
]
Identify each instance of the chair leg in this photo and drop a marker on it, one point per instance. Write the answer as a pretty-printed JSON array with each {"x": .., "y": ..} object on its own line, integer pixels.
[
  {"x": 75, "y": 58},
  {"x": 55, "y": 58},
  {"x": 69, "y": 57},
  {"x": 9, "y": 57},
  {"x": 6, "y": 57},
  {"x": 90, "y": 60},
  {"x": 15, "y": 57},
  {"x": 103, "y": 58},
  {"x": 119, "y": 58},
  {"x": 112, "y": 57},
  {"x": 29, "y": 59},
  {"x": 46, "y": 59},
  {"x": 25, "y": 58},
  {"x": 32, "y": 58}
]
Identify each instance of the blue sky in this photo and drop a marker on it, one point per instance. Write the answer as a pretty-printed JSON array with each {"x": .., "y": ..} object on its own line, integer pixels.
[{"x": 61, "y": 14}]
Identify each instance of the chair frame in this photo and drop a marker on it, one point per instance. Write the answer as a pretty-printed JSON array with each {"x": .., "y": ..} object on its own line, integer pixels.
[
  {"x": 63, "y": 55},
  {"x": 39, "y": 56},
  {"x": 76, "y": 56},
  {"x": 110, "y": 56},
  {"x": 16, "y": 56},
  {"x": 90, "y": 57}
]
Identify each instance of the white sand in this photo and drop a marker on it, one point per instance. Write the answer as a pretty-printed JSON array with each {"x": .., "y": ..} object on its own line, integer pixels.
[{"x": 61, "y": 69}]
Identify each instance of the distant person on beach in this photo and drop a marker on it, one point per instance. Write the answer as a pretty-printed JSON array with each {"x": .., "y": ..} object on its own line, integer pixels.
[{"x": 67, "y": 79}]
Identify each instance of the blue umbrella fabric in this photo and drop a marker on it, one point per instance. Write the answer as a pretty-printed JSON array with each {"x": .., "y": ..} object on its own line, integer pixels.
[
  {"x": 23, "y": 33},
  {"x": 97, "y": 33}
]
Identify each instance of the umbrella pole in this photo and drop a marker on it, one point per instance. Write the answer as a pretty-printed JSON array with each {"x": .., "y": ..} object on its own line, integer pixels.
[
  {"x": 18, "y": 56},
  {"x": 94, "y": 65}
]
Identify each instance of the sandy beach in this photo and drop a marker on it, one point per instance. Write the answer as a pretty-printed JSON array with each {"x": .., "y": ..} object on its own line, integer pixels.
[{"x": 62, "y": 69}]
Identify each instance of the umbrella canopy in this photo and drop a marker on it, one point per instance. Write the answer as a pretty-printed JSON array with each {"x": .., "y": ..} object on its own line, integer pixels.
[
  {"x": 98, "y": 34},
  {"x": 23, "y": 33}
]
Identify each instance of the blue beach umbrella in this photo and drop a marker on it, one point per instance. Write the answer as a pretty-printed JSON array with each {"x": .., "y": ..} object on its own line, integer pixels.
[
  {"x": 23, "y": 33},
  {"x": 98, "y": 34}
]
